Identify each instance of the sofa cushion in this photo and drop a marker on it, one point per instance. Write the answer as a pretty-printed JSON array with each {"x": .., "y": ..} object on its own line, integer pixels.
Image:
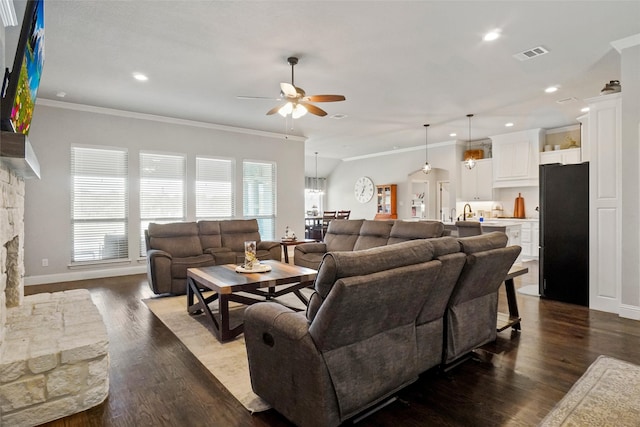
[
  {"x": 373, "y": 234},
  {"x": 410, "y": 230},
  {"x": 179, "y": 265},
  {"x": 210, "y": 234},
  {"x": 342, "y": 234},
  {"x": 336, "y": 265},
  {"x": 179, "y": 239},
  {"x": 237, "y": 231}
]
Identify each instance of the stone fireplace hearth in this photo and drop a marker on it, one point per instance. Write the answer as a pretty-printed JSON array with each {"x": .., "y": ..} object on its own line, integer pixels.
[{"x": 54, "y": 358}]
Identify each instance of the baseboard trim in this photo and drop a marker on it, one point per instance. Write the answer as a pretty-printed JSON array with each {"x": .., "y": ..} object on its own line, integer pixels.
[
  {"x": 83, "y": 275},
  {"x": 629, "y": 311}
]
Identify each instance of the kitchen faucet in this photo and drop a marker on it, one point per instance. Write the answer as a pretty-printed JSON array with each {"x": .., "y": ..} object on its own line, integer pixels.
[{"x": 464, "y": 212}]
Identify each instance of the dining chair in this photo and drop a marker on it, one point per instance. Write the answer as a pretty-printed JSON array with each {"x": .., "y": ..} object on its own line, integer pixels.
[
  {"x": 327, "y": 216},
  {"x": 343, "y": 214}
]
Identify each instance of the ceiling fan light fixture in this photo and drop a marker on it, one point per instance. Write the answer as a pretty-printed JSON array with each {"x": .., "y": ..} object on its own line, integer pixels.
[
  {"x": 298, "y": 111},
  {"x": 286, "y": 109}
]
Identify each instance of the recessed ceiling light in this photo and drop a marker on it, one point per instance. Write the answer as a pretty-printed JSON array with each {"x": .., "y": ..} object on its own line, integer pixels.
[
  {"x": 491, "y": 35},
  {"x": 508, "y": 124},
  {"x": 61, "y": 94},
  {"x": 140, "y": 77},
  {"x": 551, "y": 89},
  {"x": 453, "y": 134},
  {"x": 585, "y": 109}
]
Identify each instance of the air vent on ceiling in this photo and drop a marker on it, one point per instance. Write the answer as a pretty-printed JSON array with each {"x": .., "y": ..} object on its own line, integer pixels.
[
  {"x": 531, "y": 53},
  {"x": 567, "y": 100}
]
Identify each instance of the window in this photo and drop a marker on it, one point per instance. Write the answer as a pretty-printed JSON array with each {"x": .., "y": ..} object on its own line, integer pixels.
[
  {"x": 259, "y": 196},
  {"x": 313, "y": 195},
  {"x": 99, "y": 209},
  {"x": 162, "y": 197},
  {"x": 215, "y": 195}
]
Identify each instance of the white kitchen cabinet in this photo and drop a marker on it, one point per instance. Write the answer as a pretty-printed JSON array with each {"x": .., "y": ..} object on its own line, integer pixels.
[
  {"x": 477, "y": 183},
  {"x": 529, "y": 239},
  {"x": 566, "y": 157},
  {"x": 604, "y": 130},
  {"x": 516, "y": 158}
]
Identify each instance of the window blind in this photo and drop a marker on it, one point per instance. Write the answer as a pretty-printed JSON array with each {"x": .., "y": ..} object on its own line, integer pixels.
[
  {"x": 259, "y": 196},
  {"x": 215, "y": 195},
  {"x": 162, "y": 195},
  {"x": 99, "y": 204}
]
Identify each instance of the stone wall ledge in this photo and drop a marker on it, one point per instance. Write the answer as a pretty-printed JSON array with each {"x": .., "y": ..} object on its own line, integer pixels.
[{"x": 54, "y": 358}]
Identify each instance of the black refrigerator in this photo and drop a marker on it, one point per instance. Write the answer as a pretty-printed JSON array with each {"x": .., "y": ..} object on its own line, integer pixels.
[{"x": 564, "y": 233}]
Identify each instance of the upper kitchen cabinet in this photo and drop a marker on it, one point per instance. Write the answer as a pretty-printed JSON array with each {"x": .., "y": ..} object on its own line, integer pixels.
[
  {"x": 566, "y": 156},
  {"x": 516, "y": 158},
  {"x": 476, "y": 184}
]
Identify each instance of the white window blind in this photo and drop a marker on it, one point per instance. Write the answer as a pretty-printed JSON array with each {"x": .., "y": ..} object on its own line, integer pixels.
[
  {"x": 259, "y": 196},
  {"x": 162, "y": 195},
  {"x": 99, "y": 207},
  {"x": 215, "y": 198}
]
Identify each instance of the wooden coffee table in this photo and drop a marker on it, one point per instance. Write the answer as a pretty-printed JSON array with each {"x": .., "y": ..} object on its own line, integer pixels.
[{"x": 226, "y": 285}]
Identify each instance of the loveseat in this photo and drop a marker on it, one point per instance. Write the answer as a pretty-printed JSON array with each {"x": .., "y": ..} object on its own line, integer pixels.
[
  {"x": 174, "y": 247},
  {"x": 377, "y": 319},
  {"x": 354, "y": 235}
]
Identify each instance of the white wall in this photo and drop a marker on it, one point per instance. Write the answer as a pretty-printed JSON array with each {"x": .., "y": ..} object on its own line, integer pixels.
[
  {"x": 630, "y": 283},
  {"x": 55, "y": 129},
  {"x": 386, "y": 168}
]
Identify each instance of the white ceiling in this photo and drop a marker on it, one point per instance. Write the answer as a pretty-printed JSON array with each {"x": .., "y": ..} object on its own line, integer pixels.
[{"x": 399, "y": 63}]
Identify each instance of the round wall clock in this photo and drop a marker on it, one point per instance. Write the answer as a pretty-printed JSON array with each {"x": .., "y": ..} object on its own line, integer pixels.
[{"x": 363, "y": 189}]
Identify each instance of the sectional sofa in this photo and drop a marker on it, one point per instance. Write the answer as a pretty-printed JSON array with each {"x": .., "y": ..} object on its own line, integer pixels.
[
  {"x": 377, "y": 319},
  {"x": 354, "y": 235},
  {"x": 174, "y": 247}
]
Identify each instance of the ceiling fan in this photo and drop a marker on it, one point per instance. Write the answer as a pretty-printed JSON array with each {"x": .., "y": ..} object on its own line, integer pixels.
[{"x": 297, "y": 102}]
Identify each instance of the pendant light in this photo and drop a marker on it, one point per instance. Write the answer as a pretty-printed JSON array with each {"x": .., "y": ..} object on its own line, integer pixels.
[
  {"x": 427, "y": 167},
  {"x": 470, "y": 162}
]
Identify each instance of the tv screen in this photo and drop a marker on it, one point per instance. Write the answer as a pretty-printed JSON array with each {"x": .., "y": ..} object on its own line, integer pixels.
[{"x": 21, "y": 85}]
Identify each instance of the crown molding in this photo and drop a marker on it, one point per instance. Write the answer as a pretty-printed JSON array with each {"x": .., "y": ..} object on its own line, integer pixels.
[{"x": 163, "y": 119}]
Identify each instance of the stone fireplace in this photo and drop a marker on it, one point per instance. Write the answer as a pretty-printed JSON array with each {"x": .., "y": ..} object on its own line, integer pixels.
[{"x": 54, "y": 358}]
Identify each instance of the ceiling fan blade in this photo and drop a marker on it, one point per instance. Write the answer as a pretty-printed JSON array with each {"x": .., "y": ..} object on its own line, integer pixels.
[
  {"x": 288, "y": 90},
  {"x": 259, "y": 97},
  {"x": 314, "y": 110},
  {"x": 324, "y": 98},
  {"x": 274, "y": 110}
]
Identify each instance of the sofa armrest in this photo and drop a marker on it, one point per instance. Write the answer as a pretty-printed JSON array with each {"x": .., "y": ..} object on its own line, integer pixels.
[
  {"x": 267, "y": 245},
  {"x": 273, "y": 248},
  {"x": 159, "y": 270},
  {"x": 279, "y": 349},
  {"x": 307, "y": 248},
  {"x": 152, "y": 254}
]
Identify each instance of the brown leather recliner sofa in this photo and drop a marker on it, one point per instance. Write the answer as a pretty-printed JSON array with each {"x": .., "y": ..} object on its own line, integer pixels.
[
  {"x": 174, "y": 247},
  {"x": 358, "y": 234},
  {"x": 377, "y": 319}
]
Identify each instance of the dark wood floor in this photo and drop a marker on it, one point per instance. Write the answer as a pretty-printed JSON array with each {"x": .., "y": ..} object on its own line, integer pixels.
[{"x": 156, "y": 381}]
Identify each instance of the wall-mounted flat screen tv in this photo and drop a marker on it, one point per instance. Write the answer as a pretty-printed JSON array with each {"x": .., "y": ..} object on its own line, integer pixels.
[{"x": 20, "y": 86}]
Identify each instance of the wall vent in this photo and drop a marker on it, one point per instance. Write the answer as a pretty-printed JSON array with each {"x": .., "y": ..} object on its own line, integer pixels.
[{"x": 531, "y": 53}]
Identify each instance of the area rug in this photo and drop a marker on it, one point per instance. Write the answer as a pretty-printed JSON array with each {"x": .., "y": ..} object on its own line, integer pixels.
[
  {"x": 608, "y": 394},
  {"x": 531, "y": 290}
]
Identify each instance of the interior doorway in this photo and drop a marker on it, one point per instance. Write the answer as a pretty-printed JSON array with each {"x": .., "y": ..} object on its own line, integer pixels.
[
  {"x": 444, "y": 209},
  {"x": 427, "y": 200}
]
